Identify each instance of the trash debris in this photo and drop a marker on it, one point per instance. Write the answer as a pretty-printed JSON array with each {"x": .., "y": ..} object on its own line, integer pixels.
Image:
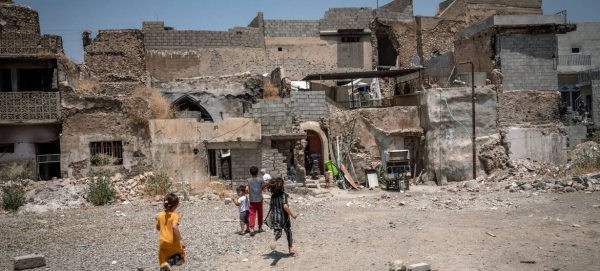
[
  {"x": 490, "y": 234},
  {"x": 528, "y": 262},
  {"x": 238, "y": 251}
]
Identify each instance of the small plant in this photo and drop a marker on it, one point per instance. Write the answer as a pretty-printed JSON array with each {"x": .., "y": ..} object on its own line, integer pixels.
[
  {"x": 160, "y": 107},
  {"x": 158, "y": 184},
  {"x": 87, "y": 87},
  {"x": 102, "y": 159},
  {"x": 270, "y": 91},
  {"x": 100, "y": 189},
  {"x": 13, "y": 197},
  {"x": 15, "y": 172}
]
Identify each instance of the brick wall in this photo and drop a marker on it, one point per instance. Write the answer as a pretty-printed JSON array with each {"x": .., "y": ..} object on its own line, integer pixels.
[
  {"x": 241, "y": 161},
  {"x": 291, "y": 28},
  {"x": 346, "y": 18},
  {"x": 277, "y": 118},
  {"x": 274, "y": 163},
  {"x": 526, "y": 62},
  {"x": 156, "y": 36},
  {"x": 309, "y": 105},
  {"x": 596, "y": 102}
]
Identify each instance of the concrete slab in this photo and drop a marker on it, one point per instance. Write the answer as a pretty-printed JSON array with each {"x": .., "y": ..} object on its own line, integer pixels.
[{"x": 29, "y": 261}]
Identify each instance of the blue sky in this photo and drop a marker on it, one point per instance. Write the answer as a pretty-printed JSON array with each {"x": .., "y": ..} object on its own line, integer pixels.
[{"x": 69, "y": 18}]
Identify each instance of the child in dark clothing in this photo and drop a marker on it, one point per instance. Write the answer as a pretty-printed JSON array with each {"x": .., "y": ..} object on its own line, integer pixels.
[{"x": 280, "y": 212}]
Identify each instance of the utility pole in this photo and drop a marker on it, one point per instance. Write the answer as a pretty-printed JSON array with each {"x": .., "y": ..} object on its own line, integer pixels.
[{"x": 473, "y": 116}]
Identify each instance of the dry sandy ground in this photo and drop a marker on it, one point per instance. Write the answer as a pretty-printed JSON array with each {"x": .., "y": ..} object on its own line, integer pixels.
[{"x": 448, "y": 230}]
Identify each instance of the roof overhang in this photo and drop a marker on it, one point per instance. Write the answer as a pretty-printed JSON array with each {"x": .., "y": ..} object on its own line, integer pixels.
[{"x": 358, "y": 75}]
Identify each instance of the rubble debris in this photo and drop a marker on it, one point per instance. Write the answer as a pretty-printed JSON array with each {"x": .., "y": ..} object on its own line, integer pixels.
[
  {"x": 490, "y": 234},
  {"x": 419, "y": 267},
  {"x": 29, "y": 261},
  {"x": 397, "y": 265}
]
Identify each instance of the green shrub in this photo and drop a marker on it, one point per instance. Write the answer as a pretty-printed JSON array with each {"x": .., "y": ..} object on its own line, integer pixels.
[
  {"x": 13, "y": 197},
  {"x": 100, "y": 189},
  {"x": 158, "y": 184}
]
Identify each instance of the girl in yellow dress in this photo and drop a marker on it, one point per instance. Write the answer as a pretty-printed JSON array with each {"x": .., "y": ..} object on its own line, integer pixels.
[{"x": 170, "y": 244}]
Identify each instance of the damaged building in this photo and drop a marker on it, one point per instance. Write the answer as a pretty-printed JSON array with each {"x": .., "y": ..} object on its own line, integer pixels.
[{"x": 206, "y": 105}]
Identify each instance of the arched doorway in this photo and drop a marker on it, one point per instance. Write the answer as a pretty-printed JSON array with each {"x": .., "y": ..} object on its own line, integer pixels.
[
  {"x": 188, "y": 108},
  {"x": 316, "y": 141}
]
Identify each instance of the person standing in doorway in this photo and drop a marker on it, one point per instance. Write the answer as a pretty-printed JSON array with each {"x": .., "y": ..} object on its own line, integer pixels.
[
  {"x": 263, "y": 174},
  {"x": 254, "y": 186}
]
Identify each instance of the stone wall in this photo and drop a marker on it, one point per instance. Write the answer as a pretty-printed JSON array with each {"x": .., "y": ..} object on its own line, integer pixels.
[
  {"x": 115, "y": 55},
  {"x": 91, "y": 118},
  {"x": 440, "y": 68},
  {"x": 403, "y": 34},
  {"x": 274, "y": 162},
  {"x": 527, "y": 108},
  {"x": 301, "y": 56},
  {"x": 478, "y": 49},
  {"x": 19, "y": 19},
  {"x": 221, "y": 97},
  {"x": 170, "y": 64},
  {"x": 397, "y": 9},
  {"x": 241, "y": 161},
  {"x": 527, "y": 61},
  {"x": 436, "y": 36},
  {"x": 156, "y": 35}
]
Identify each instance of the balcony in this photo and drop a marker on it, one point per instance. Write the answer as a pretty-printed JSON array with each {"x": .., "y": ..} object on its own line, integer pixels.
[
  {"x": 573, "y": 63},
  {"x": 585, "y": 77},
  {"x": 29, "y": 107}
]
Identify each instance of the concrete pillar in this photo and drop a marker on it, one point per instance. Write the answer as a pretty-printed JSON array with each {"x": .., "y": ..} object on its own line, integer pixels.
[{"x": 14, "y": 78}]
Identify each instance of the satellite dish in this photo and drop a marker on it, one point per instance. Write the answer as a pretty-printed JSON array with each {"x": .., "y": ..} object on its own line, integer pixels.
[{"x": 416, "y": 61}]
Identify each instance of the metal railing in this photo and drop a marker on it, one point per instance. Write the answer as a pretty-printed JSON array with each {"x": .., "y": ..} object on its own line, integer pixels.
[
  {"x": 589, "y": 75},
  {"x": 29, "y": 107},
  {"x": 574, "y": 60},
  {"x": 386, "y": 102},
  {"x": 564, "y": 13}
]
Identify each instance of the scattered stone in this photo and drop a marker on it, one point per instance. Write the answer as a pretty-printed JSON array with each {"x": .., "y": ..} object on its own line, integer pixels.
[
  {"x": 397, "y": 265},
  {"x": 244, "y": 260},
  {"x": 472, "y": 184},
  {"x": 228, "y": 201},
  {"x": 576, "y": 226},
  {"x": 490, "y": 234},
  {"x": 419, "y": 267},
  {"x": 29, "y": 261},
  {"x": 570, "y": 189},
  {"x": 402, "y": 203}
]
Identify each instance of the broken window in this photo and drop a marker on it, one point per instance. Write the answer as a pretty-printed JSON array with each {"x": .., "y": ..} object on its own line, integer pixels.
[
  {"x": 187, "y": 108},
  {"x": 35, "y": 79},
  {"x": 7, "y": 148},
  {"x": 106, "y": 153},
  {"x": 5, "y": 81},
  {"x": 575, "y": 50},
  {"x": 386, "y": 52}
]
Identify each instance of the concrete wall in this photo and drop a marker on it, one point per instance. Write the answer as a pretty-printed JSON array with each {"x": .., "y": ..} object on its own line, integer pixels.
[
  {"x": 301, "y": 56},
  {"x": 538, "y": 145},
  {"x": 588, "y": 39},
  {"x": 596, "y": 102},
  {"x": 447, "y": 152},
  {"x": 397, "y": 9},
  {"x": 577, "y": 134},
  {"x": 156, "y": 35},
  {"x": 24, "y": 153},
  {"x": 527, "y": 63}
]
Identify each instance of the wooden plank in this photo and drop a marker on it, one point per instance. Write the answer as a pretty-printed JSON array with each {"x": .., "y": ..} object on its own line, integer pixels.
[{"x": 348, "y": 177}]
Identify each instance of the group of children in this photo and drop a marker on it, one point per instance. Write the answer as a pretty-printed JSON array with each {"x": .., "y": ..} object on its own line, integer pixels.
[{"x": 171, "y": 248}]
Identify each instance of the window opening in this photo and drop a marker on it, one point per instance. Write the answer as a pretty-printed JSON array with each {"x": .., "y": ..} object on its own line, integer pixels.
[
  {"x": 350, "y": 39},
  {"x": 575, "y": 50},
  {"x": 106, "y": 153},
  {"x": 7, "y": 148}
]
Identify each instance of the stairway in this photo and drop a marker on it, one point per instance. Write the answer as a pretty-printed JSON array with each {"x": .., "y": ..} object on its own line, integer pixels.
[{"x": 316, "y": 188}]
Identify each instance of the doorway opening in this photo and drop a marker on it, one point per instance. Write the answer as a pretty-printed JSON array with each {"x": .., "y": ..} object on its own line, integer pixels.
[
  {"x": 48, "y": 160},
  {"x": 314, "y": 146}
]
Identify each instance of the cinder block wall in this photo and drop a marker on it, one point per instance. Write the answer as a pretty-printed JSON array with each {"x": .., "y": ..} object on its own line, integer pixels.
[
  {"x": 241, "y": 161},
  {"x": 309, "y": 105},
  {"x": 596, "y": 102},
  {"x": 526, "y": 62}
]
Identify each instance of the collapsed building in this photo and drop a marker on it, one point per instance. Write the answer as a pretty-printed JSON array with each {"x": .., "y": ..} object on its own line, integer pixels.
[{"x": 231, "y": 93}]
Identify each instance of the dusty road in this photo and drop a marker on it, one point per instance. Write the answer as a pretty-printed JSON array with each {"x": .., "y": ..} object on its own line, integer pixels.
[{"x": 357, "y": 231}]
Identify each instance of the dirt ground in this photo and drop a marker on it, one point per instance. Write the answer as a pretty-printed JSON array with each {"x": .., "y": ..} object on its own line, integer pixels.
[{"x": 489, "y": 230}]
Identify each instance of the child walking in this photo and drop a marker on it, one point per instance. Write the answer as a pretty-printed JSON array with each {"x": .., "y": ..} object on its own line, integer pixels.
[
  {"x": 280, "y": 213},
  {"x": 254, "y": 186},
  {"x": 170, "y": 245},
  {"x": 242, "y": 203}
]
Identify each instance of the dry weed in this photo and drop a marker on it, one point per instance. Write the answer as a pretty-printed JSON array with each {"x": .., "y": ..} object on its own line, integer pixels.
[
  {"x": 270, "y": 91},
  {"x": 160, "y": 107},
  {"x": 85, "y": 86}
]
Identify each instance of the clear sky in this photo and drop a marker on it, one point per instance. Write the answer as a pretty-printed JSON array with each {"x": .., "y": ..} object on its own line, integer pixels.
[{"x": 69, "y": 18}]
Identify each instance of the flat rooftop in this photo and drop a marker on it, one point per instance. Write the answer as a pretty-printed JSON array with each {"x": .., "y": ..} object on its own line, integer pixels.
[{"x": 512, "y": 20}]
